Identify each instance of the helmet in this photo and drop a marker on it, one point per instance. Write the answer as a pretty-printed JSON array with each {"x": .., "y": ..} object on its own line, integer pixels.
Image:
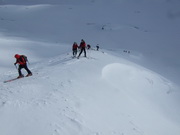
[{"x": 17, "y": 56}]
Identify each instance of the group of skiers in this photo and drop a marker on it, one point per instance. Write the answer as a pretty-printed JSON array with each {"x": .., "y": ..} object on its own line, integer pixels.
[
  {"x": 82, "y": 48},
  {"x": 21, "y": 60}
]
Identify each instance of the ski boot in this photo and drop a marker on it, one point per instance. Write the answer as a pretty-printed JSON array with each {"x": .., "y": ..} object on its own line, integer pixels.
[{"x": 29, "y": 75}]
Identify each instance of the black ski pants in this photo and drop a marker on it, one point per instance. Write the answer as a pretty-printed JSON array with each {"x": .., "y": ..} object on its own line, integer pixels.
[
  {"x": 74, "y": 52},
  {"x": 25, "y": 67},
  {"x": 83, "y": 49}
]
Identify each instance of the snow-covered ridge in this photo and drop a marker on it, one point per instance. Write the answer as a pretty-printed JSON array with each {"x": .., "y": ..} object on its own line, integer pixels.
[{"x": 86, "y": 95}]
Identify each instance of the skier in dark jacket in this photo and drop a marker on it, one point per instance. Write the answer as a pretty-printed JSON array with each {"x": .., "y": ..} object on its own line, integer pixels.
[
  {"x": 74, "y": 49},
  {"x": 20, "y": 60},
  {"x": 97, "y": 47},
  {"x": 88, "y": 47},
  {"x": 83, "y": 48}
]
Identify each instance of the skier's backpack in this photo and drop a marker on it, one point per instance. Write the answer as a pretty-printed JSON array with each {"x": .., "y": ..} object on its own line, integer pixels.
[{"x": 25, "y": 58}]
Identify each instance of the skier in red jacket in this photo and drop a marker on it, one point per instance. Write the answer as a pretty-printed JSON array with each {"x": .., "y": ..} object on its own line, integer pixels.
[
  {"x": 74, "y": 49},
  {"x": 22, "y": 64},
  {"x": 83, "y": 48}
]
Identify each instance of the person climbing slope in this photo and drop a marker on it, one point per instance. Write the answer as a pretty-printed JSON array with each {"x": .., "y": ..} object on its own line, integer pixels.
[
  {"x": 22, "y": 62},
  {"x": 74, "y": 49},
  {"x": 83, "y": 48}
]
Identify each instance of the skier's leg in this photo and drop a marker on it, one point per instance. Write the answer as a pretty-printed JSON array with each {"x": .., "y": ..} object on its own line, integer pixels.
[
  {"x": 84, "y": 52},
  {"x": 75, "y": 52},
  {"x": 80, "y": 52},
  {"x": 19, "y": 71},
  {"x": 27, "y": 69}
]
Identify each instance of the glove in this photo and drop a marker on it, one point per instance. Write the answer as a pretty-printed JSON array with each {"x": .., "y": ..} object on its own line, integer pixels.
[{"x": 15, "y": 64}]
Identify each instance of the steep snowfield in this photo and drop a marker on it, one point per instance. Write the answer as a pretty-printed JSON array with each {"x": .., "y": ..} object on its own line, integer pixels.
[
  {"x": 111, "y": 92},
  {"x": 101, "y": 94}
]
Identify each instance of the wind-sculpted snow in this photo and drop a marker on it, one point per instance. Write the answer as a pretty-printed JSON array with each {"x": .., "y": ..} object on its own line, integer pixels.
[
  {"x": 143, "y": 87},
  {"x": 128, "y": 76},
  {"x": 137, "y": 80}
]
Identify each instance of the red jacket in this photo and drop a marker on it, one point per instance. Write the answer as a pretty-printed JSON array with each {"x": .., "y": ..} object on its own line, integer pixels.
[
  {"x": 75, "y": 46},
  {"x": 20, "y": 60},
  {"x": 83, "y": 44}
]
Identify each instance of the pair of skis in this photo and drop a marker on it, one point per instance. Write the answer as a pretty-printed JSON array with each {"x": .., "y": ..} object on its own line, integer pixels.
[{"x": 10, "y": 80}]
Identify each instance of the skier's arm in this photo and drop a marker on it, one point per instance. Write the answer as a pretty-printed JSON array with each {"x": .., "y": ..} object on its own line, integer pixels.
[{"x": 16, "y": 62}]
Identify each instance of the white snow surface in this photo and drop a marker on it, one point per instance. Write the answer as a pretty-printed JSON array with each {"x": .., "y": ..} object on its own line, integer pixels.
[{"x": 129, "y": 87}]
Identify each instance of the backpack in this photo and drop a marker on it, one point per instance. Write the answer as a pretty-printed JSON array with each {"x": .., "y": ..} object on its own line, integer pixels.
[{"x": 25, "y": 58}]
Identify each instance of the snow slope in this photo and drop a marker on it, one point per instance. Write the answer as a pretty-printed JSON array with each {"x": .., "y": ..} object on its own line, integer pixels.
[
  {"x": 110, "y": 92},
  {"x": 75, "y": 96}
]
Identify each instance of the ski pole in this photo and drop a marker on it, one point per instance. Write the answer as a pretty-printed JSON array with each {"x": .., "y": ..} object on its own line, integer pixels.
[{"x": 15, "y": 66}]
